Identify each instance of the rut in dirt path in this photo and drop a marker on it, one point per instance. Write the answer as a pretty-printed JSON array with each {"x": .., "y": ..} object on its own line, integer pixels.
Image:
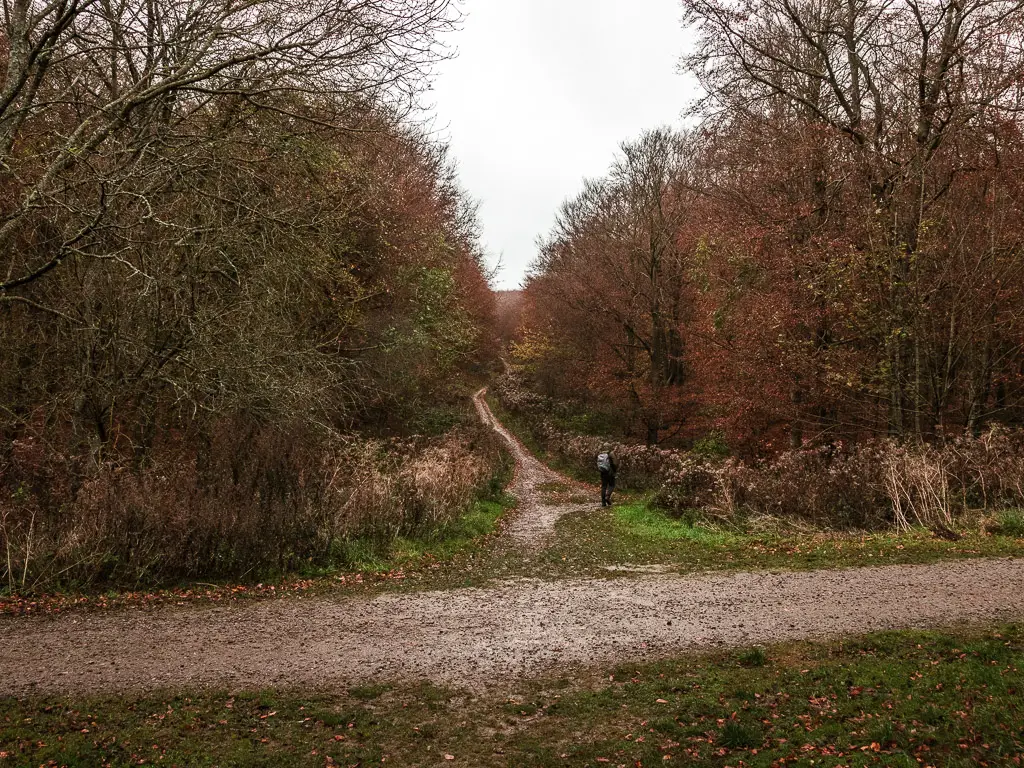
[
  {"x": 534, "y": 522},
  {"x": 487, "y": 638}
]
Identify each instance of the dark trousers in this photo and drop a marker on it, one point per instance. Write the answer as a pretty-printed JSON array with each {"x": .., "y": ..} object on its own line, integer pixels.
[{"x": 607, "y": 486}]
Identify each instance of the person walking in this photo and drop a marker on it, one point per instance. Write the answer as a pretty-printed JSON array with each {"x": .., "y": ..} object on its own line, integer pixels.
[{"x": 608, "y": 468}]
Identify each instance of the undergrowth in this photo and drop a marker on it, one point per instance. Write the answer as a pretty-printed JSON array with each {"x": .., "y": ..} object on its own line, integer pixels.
[
  {"x": 1010, "y": 522},
  {"x": 387, "y": 507},
  {"x": 877, "y": 483}
]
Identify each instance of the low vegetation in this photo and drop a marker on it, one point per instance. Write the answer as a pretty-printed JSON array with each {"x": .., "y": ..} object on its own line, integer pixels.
[
  {"x": 879, "y": 484},
  {"x": 891, "y": 699},
  {"x": 438, "y": 546},
  {"x": 303, "y": 513},
  {"x": 634, "y": 534}
]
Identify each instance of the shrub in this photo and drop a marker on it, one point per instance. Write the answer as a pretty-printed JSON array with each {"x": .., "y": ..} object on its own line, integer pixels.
[
  {"x": 271, "y": 503},
  {"x": 868, "y": 485},
  {"x": 711, "y": 446}
]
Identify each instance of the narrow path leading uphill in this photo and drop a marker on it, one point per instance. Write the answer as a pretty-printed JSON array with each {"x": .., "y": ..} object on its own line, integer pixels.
[
  {"x": 535, "y": 521},
  {"x": 488, "y": 637}
]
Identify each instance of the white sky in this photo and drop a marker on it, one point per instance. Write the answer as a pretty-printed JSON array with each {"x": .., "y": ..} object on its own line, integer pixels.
[{"x": 541, "y": 94}]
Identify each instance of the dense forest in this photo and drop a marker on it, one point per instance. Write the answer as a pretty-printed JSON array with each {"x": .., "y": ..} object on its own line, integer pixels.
[
  {"x": 832, "y": 251},
  {"x": 241, "y": 291}
]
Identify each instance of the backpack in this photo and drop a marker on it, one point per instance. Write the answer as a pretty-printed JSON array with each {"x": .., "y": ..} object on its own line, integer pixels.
[{"x": 604, "y": 462}]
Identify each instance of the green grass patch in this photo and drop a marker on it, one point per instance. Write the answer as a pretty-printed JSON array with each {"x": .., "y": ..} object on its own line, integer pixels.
[
  {"x": 639, "y": 518},
  {"x": 889, "y": 699},
  {"x": 369, "y": 692},
  {"x": 1011, "y": 523},
  {"x": 755, "y": 657},
  {"x": 458, "y": 537},
  {"x": 636, "y": 533},
  {"x": 741, "y": 736}
]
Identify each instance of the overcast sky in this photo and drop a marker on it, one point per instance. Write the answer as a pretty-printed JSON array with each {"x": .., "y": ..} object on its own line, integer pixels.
[{"x": 541, "y": 94}]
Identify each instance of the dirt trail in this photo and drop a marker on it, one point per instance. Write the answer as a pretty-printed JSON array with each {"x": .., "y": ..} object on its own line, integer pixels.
[
  {"x": 488, "y": 637},
  {"x": 535, "y": 520}
]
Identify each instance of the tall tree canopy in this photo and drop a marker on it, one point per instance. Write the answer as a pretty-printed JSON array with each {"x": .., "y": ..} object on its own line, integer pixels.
[
  {"x": 219, "y": 209},
  {"x": 847, "y": 225}
]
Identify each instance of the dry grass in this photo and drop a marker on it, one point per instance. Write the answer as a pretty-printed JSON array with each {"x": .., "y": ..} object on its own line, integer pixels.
[
  {"x": 875, "y": 484},
  {"x": 273, "y": 504}
]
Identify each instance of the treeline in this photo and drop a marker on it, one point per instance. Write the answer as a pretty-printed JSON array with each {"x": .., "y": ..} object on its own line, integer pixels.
[
  {"x": 835, "y": 252},
  {"x": 226, "y": 254}
]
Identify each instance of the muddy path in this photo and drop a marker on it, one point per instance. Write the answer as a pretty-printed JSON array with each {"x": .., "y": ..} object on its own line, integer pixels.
[
  {"x": 536, "y": 515},
  {"x": 481, "y": 638},
  {"x": 487, "y": 638}
]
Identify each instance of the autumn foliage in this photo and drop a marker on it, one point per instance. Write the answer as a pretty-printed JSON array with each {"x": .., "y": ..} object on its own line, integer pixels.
[
  {"x": 233, "y": 272},
  {"x": 876, "y": 483},
  {"x": 833, "y": 254}
]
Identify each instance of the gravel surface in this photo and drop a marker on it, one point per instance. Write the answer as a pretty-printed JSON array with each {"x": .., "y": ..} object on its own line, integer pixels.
[
  {"x": 486, "y": 638},
  {"x": 482, "y": 637}
]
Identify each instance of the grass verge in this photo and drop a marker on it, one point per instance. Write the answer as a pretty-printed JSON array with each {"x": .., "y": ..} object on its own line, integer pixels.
[
  {"x": 635, "y": 533},
  {"x": 459, "y": 537},
  {"x": 897, "y": 698}
]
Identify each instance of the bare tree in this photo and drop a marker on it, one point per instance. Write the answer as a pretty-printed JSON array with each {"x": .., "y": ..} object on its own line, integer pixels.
[{"x": 91, "y": 87}]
